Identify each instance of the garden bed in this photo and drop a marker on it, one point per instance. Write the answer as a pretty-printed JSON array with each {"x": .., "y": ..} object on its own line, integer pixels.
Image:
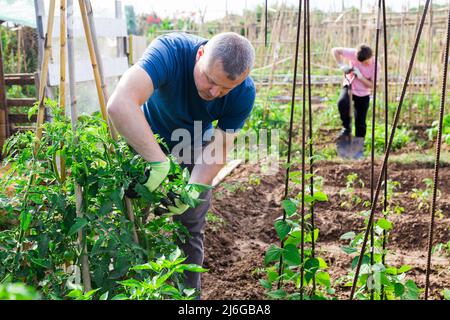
[{"x": 247, "y": 202}]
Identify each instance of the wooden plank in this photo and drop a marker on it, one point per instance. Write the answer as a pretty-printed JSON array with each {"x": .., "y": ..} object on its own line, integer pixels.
[
  {"x": 113, "y": 67},
  {"x": 21, "y": 102},
  {"x": 225, "y": 171},
  {"x": 19, "y": 79},
  {"x": 21, "y": 118}
]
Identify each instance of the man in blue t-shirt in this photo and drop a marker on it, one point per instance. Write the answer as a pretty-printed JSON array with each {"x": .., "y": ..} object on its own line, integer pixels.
[{"x": 177, "y": 89}]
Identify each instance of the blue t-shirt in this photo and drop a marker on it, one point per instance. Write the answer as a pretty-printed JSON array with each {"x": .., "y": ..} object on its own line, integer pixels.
[{"x": 169, "y": 61}]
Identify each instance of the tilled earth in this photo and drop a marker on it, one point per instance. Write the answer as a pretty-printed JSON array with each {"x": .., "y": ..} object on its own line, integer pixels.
[{"x": 247, "y": 202}]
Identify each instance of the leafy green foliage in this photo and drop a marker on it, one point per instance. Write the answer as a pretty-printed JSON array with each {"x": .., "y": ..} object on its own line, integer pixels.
[
  {"x": 18, "y": 291},
  {"x": 384, "y": 281},
  {"x": 315, "y": 283},
  {"x": 43, "y": 247}
]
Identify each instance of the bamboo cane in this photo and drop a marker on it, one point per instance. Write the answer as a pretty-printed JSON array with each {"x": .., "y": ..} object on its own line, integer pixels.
[
  {"x": 87, "y": 32},
  {"x": 99, "y": 61},
  {"x": 103, "y": 93},
  {"x": 276, "y": 51},
  {"x": 44, "y": 71}
]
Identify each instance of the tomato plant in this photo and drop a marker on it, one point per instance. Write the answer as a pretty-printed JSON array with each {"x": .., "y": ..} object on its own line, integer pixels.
[{"x": 42, "y": 249}]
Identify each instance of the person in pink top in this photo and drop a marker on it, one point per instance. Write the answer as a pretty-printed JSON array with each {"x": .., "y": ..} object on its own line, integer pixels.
[{"x": 359, "y": 67}]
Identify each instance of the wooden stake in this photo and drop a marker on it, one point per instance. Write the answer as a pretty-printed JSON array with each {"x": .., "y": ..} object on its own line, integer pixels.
[
  {"x": 62, "y": 79},
  {"x": 4, "y": 123},
  {"x": 44, "y": 72},
  {"x": 87, "y": 32}
]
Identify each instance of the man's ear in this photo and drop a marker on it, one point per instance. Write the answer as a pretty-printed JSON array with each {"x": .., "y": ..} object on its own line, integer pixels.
[{"x": 200, "y": 52}]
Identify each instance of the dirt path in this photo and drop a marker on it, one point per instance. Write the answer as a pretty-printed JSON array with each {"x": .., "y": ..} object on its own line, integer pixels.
[{"x": 247, "y": 203}]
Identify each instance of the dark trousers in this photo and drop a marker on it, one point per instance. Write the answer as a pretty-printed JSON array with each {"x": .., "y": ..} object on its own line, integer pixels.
[
  {"x": 360, "y": 107},
  {"x": 194, "y": 220}
]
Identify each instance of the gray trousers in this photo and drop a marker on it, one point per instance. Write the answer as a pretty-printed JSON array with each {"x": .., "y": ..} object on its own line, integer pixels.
[{"x": 194, "y": 220}]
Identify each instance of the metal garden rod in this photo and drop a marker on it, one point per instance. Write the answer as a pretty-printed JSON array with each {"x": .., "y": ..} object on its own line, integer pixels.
[
  {"x": 302, "y": 238},
  {"x": 372, "y": 158},
  {"x": 291, "y": 123},
  {"x": 391, "y": 138},
  {"x": 386, "y": 121},
  {"x": 311, "y": 153},
  {"x": 44, "y": 72},
  {"x": 85, "y": 272},
  {"x": 438, "y": 155}
]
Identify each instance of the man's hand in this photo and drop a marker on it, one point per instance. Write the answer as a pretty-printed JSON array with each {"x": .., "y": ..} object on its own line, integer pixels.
[
  {"x": 177, "y": 203},
  {"x": 155, "y": 173},
  {"x": 357, "y": 73},
  {"x": 345, "y": 68}
]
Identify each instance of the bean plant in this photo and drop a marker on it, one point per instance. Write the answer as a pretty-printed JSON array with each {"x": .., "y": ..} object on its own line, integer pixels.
[
  {"x": 40, "y": 245},
  {"x": 379, "y": 279},
  {"x": 288, "y": 284}
]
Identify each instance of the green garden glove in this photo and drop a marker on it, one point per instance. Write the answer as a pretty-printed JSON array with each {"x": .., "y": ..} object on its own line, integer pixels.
[
  {"x": 155, "y": 173},
  {"x": 179, "y": 206},
  {"x": 174, "y": 205},
  {"x": 158, "y": 172}
]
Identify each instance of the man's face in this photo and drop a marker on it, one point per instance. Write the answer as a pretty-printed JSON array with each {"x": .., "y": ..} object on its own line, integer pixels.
[{"x": 210, "y": 79}]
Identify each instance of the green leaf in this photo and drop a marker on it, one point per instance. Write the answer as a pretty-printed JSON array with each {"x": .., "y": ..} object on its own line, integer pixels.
[
  {"x": 320, "y": 196},
  {"x": 289, "y": 207},
  {"x": 193, "y": 268},
  {"x": 322, "y": 263},
  {"x": 273, "y": 253},
  {"x": 446, "y": 294},
  {"x": 25, "y": 220},
  {"x": 311, "y": 267},
  {"x": 266, "y": 284},
  {"x": 291, "y": 255},
  {"x": 277, "y": 294},
  {"x": 105, "y": 208},
  {"x": 404, "y": 269},
  {"x": 132, "y": 283},
  {"x": 348, "y": 236},
  {"x": 117, "y": 197},
  {"x": 42, "y": 262},
  {"x": 412, "y": 291},
  {"x": 365, "y": 260},
  {"x": 323, "y": 278},
  {"x": 294, "y": 238},
  {"x": 384, "y": 224},
  {"x": 78, "y": 225},
  {"x": 175, "y": 255},
  {"x": 348, "y": 250},
  {"x": 399, "y": 289},
  {"x": 282, "y": 228},
  {"x": 75, "y": 293}
]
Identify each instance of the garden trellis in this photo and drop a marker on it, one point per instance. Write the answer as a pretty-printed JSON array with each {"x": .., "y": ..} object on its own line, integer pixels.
[{"x": 381, "y": 19}]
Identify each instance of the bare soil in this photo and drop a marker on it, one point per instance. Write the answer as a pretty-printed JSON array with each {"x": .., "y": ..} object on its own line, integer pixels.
[{"x": 248, "y": 201}]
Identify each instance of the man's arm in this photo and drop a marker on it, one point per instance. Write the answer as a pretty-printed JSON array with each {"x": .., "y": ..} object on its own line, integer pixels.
[
  {"x": 124, "y": 109},
  {"x": 214, "y": 157}
]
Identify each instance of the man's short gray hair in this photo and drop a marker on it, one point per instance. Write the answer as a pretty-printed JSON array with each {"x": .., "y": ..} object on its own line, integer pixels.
[{"x": 234, "y": 51}]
